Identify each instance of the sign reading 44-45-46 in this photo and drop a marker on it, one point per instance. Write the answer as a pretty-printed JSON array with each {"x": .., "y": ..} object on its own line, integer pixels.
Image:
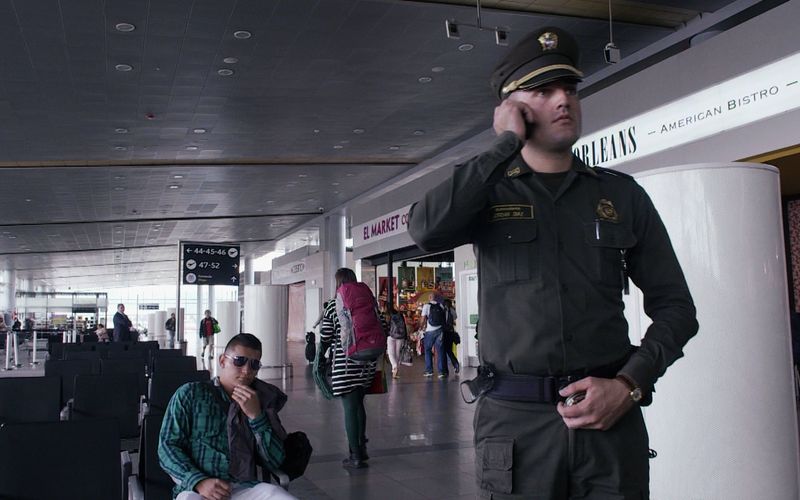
[{"x": 210, "y": 264}]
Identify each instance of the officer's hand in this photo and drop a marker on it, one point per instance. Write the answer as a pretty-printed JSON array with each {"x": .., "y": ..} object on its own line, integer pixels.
[
  {"x": 512, "y": 116},
  {"x": 248, "y": 401},
  {"x": 606, "y": 401},
  {"x": 213, "y": 489}
]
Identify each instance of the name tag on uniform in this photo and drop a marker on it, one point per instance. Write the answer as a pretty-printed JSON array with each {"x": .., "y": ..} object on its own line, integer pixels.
[{"x": 510, "y": 212}]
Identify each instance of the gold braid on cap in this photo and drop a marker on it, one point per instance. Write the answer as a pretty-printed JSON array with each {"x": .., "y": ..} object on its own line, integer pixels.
[{"x": 516, "y": 84}]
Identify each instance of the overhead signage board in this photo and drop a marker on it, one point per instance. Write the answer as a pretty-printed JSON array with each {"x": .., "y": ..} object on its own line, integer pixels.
[
  {"x": 210, "y": 264},
  {"x": 391, "y": 224},
  {"x": 756, "y": 95}
]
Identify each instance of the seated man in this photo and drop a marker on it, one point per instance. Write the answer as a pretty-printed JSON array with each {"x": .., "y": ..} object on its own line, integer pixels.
[{"x": 215, "y": 433}]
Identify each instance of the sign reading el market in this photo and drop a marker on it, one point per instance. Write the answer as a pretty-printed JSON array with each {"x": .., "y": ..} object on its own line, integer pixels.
[
  {"x": 382, "y": 227},
  {"x": 210, "y": 264},
  {"x": 753, "y": 96}
]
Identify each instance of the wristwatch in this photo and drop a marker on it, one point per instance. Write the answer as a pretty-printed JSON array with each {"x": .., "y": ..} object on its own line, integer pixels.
[{"x": 635, "y": 391}]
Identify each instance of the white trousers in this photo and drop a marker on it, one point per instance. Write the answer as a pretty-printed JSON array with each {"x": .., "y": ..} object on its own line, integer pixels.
[
  {"x": 263, "y": 491},
  {"x": 393, "y": 347}
]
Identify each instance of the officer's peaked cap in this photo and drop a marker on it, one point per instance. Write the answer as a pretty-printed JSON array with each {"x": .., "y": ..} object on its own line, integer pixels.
[{"x": 546, "y": 55}]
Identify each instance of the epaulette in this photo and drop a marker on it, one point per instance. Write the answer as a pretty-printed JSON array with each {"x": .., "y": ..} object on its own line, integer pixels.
[{"x": 615, "y": 173}]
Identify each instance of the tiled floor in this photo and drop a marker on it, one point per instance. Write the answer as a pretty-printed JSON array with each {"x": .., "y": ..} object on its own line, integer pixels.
[{"x": 420, "y": 437}]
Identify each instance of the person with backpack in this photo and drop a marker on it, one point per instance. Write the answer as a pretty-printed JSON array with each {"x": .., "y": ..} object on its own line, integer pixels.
[
  {"x": 349, "y": 330},
  {"x": 433, "y": 320},
  {"x": 450, "y": 335}
]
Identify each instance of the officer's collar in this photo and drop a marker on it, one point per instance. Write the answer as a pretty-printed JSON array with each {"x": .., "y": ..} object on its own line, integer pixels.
[{"x": 519, "y": 167}]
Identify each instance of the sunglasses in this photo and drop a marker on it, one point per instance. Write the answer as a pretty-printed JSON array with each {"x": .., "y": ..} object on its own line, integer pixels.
[{"x": 240, "y": 361}]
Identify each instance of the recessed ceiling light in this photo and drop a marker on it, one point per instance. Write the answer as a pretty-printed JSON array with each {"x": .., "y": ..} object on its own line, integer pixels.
[
  {"x": 119, "y": 188},
  {"x": 231, "y": 60},
  {"x": 124, "y": 27},
  {"x": 242, "y": 34},
  {"x": 419, "y": 132},
  {"x": 338, "y": 146},
  {"x": 174, "y": 186},
  {"x": 119, "y": 177},
  {"x": 155, "y": 229},
  {"x": 121, "y": 130},
  {"x": 349, "y": 174},
  {"x": 224, "y": 72},
  {"x": 12, "y": 237},
  {"x": 394, "y": 148},
  {"x": 358, "y": 130},
  {"x": 334, "y": 183},
  {"x": 437, "y": 69},
  {"x": 270, "y": 202},
  {"x": 123, "y": 67},
  {"x": 192, "y": 148},
  {"x": 316, "y": 131},
  {"x": 28, "y": 200},
  {"x": 302, "y": 176},
  {"x": 199, "y": 131},
  {"x": 466, "y": 47},
  {"x": 177, "y": 176},
  {"x": 120, "y": 148},
  {"x": 425, "y": 79}
]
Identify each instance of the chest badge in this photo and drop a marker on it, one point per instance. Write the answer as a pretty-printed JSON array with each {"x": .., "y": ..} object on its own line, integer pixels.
[
  {"x": 605, "y": 211},
  {"x": 513, "y": 172}
]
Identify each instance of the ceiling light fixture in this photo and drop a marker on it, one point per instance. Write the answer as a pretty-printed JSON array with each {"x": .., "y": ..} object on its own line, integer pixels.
[
  {"x": 465, "y": 47},
  {"x": 452, "y": 28},
  {"x": 28, "y": 200},
  {"x": 192, "y": 148},
  {"x": 338, "y": 146},
  {"x": 437, "y": 69},
  {"x": 120, "y": 148},
  {"x": 119, "y": 188},
  {"x": 174, "y": 186},
  {"x": 425, "y": 79},
  {"x": 123, "y": 67},
  {"x": 242, "y": 34},
  {"x": 199, "y": 131},
  {"x": 358, "y": 130},
  {"x": 231, "y": 60},
  {"x": 177, "y": 176},
  {"x": 124, "y": 27},
  {"x": 121, "y": 130},
  {"x": 224, "y": 72},
  {"x": 419, "y": 132},
  {"x": 394, "y": 148}
]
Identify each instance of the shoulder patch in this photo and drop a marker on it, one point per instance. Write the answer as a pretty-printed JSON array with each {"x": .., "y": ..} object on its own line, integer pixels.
[{"x": 615, "y": 173}]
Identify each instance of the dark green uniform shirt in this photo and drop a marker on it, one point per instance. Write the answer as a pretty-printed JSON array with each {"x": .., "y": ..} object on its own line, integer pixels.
[{"x": 551, "y": 266}]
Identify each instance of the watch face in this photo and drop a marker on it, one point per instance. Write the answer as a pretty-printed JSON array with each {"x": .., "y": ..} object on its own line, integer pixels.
[{"x": 636, "y": 395}]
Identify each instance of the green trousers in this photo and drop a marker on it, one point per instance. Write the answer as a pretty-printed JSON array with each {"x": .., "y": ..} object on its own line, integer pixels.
[
  {"x": 355, "y": 418},
  {"x": 525, "y": 451}
]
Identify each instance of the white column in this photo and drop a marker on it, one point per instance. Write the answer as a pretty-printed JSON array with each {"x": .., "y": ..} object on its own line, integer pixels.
[
  {"x": 332, "y": 241},
  {"x": 249, "y": 270},
  {"x": 155, "y": 327},
  {"x": 266, "y": 309},
  {"x": 723, "y": 420},
  {"x": 171, "y": 310},
  {"x": 227, "y": 314}
]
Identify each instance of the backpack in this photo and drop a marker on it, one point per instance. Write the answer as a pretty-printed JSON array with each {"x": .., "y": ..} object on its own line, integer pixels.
[
  {"x": 311, "y": 346},
  {"x": 397, "y": 327},
  {"x": 436, "y": 315},
  {"x": 363, "y": 338}
]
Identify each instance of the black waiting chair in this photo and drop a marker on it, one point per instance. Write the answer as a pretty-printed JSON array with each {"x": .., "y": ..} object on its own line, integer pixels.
[
  {"x": 63, "y": 460},
  {"x": 175, "y": 364},
  {"x": 92, "y": 356},
  {"x": 66, "y": 369},
  {"x": 152, "y": 483},
  {"x": 30, "y": 399},
  {"x": 132, "y": 354},
  {"x": 133, "y": 365},
  {"x": 164, "y": 384},
  {"x": 109, "y": 396}
]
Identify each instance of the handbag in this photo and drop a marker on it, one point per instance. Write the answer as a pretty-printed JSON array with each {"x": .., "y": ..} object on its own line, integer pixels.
[
  {"x": 216, "y": 328},
  {"x": 378, "y": 384},
  {"x": 407, "y": 354}
]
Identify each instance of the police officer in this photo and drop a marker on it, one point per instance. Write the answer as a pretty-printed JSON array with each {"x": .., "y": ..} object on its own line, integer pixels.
[{"x": 560, "y": 388}]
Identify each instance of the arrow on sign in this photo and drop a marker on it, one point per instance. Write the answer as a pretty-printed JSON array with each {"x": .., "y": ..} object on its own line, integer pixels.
[{"x": 234, "y": 279}]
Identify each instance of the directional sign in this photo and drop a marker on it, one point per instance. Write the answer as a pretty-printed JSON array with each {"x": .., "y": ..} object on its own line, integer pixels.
[{"x": 210, "y": 264}]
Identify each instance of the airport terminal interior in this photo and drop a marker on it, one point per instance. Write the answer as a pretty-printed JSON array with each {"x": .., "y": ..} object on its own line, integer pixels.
[{"x": 178, "y": 156}]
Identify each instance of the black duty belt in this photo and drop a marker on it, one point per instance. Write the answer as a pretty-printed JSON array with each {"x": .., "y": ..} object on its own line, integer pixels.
[{"x": 535, "y": 388}]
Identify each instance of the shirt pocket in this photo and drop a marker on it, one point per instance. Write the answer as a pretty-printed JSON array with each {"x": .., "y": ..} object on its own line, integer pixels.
[
  {"x": 609, "y": 243},
  {"x": 509, "y": 252}
]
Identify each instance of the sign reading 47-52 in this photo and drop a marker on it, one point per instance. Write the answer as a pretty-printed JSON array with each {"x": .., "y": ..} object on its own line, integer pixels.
[{"x": 210, "y": 264}]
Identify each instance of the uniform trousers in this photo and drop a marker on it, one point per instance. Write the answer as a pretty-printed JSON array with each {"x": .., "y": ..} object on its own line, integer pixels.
[
  {"x": 263, "y": 491},
  {"x": 525, "y": 451}
]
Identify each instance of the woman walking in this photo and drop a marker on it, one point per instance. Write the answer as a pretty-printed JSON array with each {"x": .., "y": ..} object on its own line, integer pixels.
[{"x": 350, "y": 378}]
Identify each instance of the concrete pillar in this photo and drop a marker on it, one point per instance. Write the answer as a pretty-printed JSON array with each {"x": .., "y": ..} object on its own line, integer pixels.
[
  {"x": 723, "y": 419},
  {"x": 155, "y": 327},
  {"x": 180, "y": 317},
  {"x": 266, "y": 309},
  {"x": 332, "y": 242},
  {"x": 227, "y": 314},
  {"x": 249, "y": 270}
]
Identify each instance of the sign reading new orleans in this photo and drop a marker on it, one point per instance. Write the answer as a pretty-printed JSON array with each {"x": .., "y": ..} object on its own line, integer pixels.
[
  {"x": 210, "y": 264},
  {"x": 759, "y": 94}
]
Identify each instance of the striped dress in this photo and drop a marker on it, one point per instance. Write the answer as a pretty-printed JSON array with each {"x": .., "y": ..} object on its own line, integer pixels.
[{"x": 347, "y": 374}]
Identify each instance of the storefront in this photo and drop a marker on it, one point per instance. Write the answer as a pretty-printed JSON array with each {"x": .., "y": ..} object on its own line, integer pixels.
[{"x": 301, "y": 270}]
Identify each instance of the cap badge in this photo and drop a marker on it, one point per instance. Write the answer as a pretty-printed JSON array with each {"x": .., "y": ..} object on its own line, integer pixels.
[
  {"x": 606, "y": 211},
  {"x": 548, "y": 41}
]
